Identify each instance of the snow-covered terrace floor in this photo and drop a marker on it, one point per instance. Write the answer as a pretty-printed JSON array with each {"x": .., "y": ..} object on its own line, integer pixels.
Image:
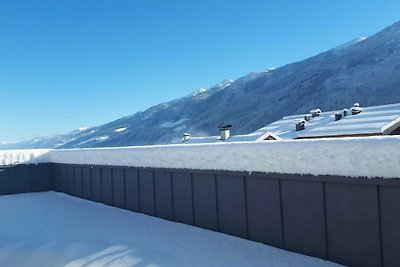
[{"x": 54, "y": 229}]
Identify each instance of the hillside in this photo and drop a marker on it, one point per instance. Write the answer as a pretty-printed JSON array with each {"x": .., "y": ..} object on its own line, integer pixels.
[{"x": 366, "y": 70}]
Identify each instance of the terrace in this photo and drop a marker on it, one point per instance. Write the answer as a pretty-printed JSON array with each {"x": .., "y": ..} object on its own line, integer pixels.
[{"x": 333, "y": 199}]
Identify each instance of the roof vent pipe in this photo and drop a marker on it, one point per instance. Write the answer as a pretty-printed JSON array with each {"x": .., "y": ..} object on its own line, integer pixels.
[
  {"x": 338, "y": 116},
  {"x": 185, "y": 137},
  {"x": 300, "y": 124},
  {"x": 315, "y": 112},
  {"x": 224, "y": 131},
  {"x": 356, "y": 109}
]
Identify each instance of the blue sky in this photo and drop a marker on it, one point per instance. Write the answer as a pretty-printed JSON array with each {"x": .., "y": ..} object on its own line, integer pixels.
[{"x": 66, "y": 64}]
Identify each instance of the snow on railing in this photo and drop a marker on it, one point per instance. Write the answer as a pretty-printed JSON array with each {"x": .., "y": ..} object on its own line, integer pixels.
[
  {"x": 356, "y": 157},
  {"x": 23, "y": 156}
]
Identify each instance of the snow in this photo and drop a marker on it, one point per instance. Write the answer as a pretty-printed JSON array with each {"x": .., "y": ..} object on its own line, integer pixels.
[
  {"x": 372, "y": 120},
  {"x": 253, "y": 137},
  {"x": 356, "y": 157},
  {"x": 350, "y": 43},
  {"x": 119, "y": 130},
  {"x": 199, "y": 91},
  {"x": 271, "y": 69},
  {"x": 54, "y": 229},
  {"x": 12, "y": 157}
]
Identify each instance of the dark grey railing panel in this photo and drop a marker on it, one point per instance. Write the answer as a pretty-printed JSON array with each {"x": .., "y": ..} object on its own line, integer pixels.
[
  {"x": 232, "y": 205},
  {"x": 70, "y": 180},
  {"x": 163, "y": 195},
  {"x": 19, "y": 179},
  {"x": 205, "y": 201},
  {"x": 57, "y": 177},
  {"x": 390, "y": 225},
  {"x": 146, "y": 188},
  {"x": 96, "y": 184},
  {"x": 4, "y": 174},
  {"x": 263, "y": 210},
  {"x": 182, "y": 197},
  {"x": 87, "y": 183},
  {"x": 41, "y": 178},
  {"x": 132, "y": 189},
  {"x": 78, "y": 181},
  {"x": 303, "y": 217},
  {"x": 106, "y": 186},
  {"x": 118, "y": 188},
  {"x": 63, "y": 178},
  {"x": 26, "y": 178},
  {"x": 353, "y": 224}
]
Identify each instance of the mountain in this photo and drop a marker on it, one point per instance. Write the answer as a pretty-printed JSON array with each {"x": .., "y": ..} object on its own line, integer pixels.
[{"x": 365, "y": 70}]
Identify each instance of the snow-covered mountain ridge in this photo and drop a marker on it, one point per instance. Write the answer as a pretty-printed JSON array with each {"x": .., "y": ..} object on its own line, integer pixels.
[{"x": 365, "y": 70}]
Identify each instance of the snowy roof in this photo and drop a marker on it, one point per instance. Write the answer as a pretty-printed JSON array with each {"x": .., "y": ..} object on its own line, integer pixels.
[
  {"x": 376, "y": 120},
  {"x": 253, "y": 137}
]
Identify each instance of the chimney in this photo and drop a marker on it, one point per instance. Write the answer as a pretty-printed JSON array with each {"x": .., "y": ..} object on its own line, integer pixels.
[
  {"x": 345, "y": 112},
  {"x": 338, "y": 116},
  {"x": 224, "y": 131},
  {"x": 315, "y": 112},
  {"x": 300, "y": 124},
  {"x": 185, "y": 137},
  {"x": 307, "y": 117},
  {"x": 356, "y": 109}
]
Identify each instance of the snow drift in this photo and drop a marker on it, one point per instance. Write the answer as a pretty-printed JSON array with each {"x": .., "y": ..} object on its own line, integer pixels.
[
  {"x": 356, "y": 157},
  {"x": 53, "y": 229}
]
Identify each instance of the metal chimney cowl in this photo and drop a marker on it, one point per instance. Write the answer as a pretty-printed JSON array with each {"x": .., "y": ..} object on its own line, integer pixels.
[
  {"x": 185, "y": 137},
  {"x": 224, "y": 131}
]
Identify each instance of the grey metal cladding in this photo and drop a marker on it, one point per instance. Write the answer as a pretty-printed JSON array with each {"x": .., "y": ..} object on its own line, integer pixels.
[
  {"x": 303, "y": 217},
  {"x": 263, "y": 210},
  {"x": 78, "y": 181},
  {"x": 118, "y": 187},
  {"x": 106, "y": 186},
  {"x": 70, "y": 180},
  {"x": 4, "y": 176},
  {"x": 182, "y": 197},
  {"x": 146, "y": 194},
  {"x": 41, "y": 177},
  {"x": 163, "y": 195},
  {"x": 57, "y": 177},
  {"x": 19, "y": 180},
  {"x": 205, "y": 201},
  {"x": 96, "y": 184},
  {"x": 390, "y": 224},
  {"x": 87, "y": 183},
  {"x": 64, "y": 179},
  {"x": 132, "y": 189},
  {"x": 353, "y": 224},
  {"x": 232, "y": 205}
]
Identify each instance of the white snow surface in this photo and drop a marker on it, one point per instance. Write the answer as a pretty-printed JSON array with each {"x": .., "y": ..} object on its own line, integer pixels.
[
  {"x": 350, "y": 43},
  {"x": 356, "y": 157},
  {"x": 54, "y": 229},
  {"x": 198, "y": 91},
  {"x": 121, "y": 129},
  {"x": 372, "y": 120},
  {"x": 22, "y": 156}
]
